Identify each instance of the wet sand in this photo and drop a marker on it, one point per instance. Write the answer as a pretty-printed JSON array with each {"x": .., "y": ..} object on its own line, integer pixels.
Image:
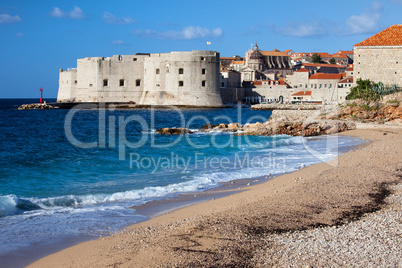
[{"x": 239, "y": 229}]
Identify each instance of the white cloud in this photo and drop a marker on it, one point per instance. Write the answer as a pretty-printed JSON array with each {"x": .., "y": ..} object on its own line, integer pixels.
[
  {"x": 6, "y": 18},
  {"x": 119, "y": 43},
  {"x": 303, "y": 29},
  {"x": 76, "y": 13},
  {"x": 367, "y": 22},
  {"x": 19, "y": 35},
  {"x": 188, "y": 33},
  {"x": 112, "y": 19}
]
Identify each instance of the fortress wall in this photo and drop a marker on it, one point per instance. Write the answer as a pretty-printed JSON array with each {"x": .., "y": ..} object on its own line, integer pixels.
[
  {"x": 110, "y": 80},
  {"x": 67, "y": 85},
  {"x": 232, "y": 94},
  {"x": 379, "y": 64},
  {"x": 185, "y": 78}
]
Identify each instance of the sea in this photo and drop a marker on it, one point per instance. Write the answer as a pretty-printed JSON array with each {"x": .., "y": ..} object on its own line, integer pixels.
[{"x": 75, "y": 174}]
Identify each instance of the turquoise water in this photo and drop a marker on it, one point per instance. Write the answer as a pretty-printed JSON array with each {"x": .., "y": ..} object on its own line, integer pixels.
[{"x": 72, "y": 173}]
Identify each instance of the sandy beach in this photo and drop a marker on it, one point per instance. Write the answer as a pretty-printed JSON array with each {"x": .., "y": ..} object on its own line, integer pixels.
[{"x": 344, "y": 212}]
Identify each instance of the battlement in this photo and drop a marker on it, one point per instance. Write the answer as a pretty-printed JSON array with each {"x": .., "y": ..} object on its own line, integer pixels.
[{"x": 68, "y": 70}]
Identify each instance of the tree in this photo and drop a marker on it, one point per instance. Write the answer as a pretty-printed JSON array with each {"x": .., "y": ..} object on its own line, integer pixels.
[
  {"x": 332, "y": 61},
  {"x": 316, "y": 58}
]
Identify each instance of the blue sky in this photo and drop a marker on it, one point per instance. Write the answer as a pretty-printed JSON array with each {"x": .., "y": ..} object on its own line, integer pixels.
[{"x": 40, "y": 37}]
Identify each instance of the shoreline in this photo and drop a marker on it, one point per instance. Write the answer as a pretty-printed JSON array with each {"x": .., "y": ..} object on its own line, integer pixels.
[
  {"x": 172, "y": 225},
  {"x": 148, "y": 210}
]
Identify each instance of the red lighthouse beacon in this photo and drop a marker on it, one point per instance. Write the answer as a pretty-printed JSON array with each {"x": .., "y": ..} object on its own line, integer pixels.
[{"x": 41, "y": 90}]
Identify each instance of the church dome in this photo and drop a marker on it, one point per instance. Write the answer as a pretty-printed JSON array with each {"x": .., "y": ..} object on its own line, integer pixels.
[{"x": 255, "y": 55}]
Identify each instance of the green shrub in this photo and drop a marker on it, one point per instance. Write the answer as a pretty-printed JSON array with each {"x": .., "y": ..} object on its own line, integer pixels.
[
  {"x": 393, "y": 101},
  {"x": 352, "y": 104},
  {"x": 369, "y": 91}
]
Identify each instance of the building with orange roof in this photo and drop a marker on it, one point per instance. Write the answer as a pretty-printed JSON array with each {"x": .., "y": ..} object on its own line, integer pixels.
[
  {"x": 226, "y": 61},
  {"x": 379, "y": 57},
  {"x": 302, "y": 95},
  {"x": 324, "y": 87}
]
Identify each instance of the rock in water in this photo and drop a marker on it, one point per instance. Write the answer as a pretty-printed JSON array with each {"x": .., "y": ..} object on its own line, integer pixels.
[{"x": 173, "y": 131}]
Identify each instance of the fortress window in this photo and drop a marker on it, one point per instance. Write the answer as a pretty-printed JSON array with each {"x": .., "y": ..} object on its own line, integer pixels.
[
  {"x": 105, "y": 82},
  {"x": 75, "y": 82},
  {"x": 135, "y": 59},
  {"x": 181, "y": 83},
  {"x": 223, "y": 84},
  {"x": 121, "y": 82},
  {"x": 204, "y": 71},
  {"x": 138, "y": 82},
  {"x": 181, "y": 71},
  {"x": 202, "y": 58},
  {"x": 157, "y": 71},
  {"x": 204, "y": 83},
  {"x": 90, "y": 85}
]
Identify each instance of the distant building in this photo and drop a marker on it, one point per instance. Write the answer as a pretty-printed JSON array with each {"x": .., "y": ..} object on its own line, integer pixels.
[
  {"x": 321, "y": 68},
  {"x": 260, "y": 65},
  {"x": 379, "y": 57},
  {"x": 342, "y": 57},
  {"x": 322, "y": 87}
]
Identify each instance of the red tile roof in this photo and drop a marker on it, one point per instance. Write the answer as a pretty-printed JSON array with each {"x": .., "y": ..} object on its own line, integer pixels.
[
  {"x": 322, "y": 65},
  {"x": 349, "y": 69},
  {"x": 302, "y": 93},
  {"x": 337, "y": 56},
  {"x": 274, "y": 53},
  {"x": 238, "y": 62},
  {"x": 273, "y": 82},
  {"x": 228, "y": 58},
  {"x": 326, "y": 76},
  {"x": 346, "y": 80},
  {"x": 391, "y": 36},
  {"x": 302, "y": 70}
]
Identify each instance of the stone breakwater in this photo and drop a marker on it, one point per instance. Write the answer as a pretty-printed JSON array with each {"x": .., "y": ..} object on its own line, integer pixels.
[
  {"x": 38, "y": 106},
  {"x": 271, "y": 127}
]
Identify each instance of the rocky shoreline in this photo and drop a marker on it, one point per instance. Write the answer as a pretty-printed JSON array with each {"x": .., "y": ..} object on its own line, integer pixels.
[
  {"x": 387, "y": 110},
  {"x": 276, "y": 126}
]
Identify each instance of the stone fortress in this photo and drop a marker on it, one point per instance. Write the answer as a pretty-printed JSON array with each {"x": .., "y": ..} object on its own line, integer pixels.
[{"x": 176, "y": 78}]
